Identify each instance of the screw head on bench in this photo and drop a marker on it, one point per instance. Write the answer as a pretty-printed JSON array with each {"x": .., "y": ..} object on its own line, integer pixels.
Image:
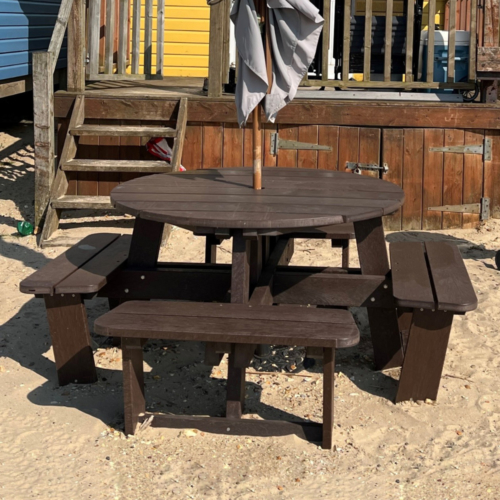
[
  {"x": 386, "y": 286},
  {"x": 373, "y": 299},
  {"x": 143, "y": 277},
  {"x": 126, "y": 290},
  {"x": 421, "y": 309}
]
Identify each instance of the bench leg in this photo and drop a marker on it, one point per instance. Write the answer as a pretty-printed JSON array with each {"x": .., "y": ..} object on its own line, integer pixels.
[
  {"x": 328, "y": 388},
  {"x": 384, "y": 327},
  {"x": 133, "y": 383},
  {"x": 211, "y": 243},
  {"x": 345, "y": 254},
  {"x": 235, "y": 387},
  {"x": 425, "y": 355},
  {"x": 69, "y": 331},
  {"x": 405, "y": 316}
]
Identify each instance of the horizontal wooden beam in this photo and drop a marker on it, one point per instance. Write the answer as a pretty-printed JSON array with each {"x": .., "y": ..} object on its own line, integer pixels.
[
  {"x": 331, "y": 288},
  {"x": 299, "y": 112}
]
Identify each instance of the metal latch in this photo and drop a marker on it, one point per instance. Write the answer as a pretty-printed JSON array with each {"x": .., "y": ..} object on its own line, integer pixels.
[
  {"x": 478, "y": 149},
  {"x": 277, "y": 143},
  {"x": 482, "y": 208},
  {"x": 357, "y": 167}
]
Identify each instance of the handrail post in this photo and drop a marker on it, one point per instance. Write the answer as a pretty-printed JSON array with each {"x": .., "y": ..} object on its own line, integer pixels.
[
  {"x": 76, "y": 47},
  {"x": 217, "y": 14},
  {"x": 43, "y": 121}
]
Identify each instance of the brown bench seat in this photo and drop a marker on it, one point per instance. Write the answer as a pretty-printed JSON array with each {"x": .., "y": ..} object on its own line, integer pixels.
[
  {"x": 241, "y": 325},
  {"x": 430, "y": 285},
  {"x": 80, "y": 272}
]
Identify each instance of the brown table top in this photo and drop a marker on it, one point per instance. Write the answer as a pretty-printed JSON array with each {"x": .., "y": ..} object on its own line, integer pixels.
[{"x": 290, "y": 198}]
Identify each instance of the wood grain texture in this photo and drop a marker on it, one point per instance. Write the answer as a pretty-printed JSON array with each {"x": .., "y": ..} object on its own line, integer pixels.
[
  {"x": 288, "y": 157},
  {"x": 328, "y": 136},
  {"x": 192, "y": 155},
  {"x": 348, "y": 146},
  {"x": 232, "y": 148},
  {"x": 433, "y": 179},
  {"x": 305, "y": 158},
  {"x": 392, "y": 154},
  {"x": 212, "y": 145},
  {"x": 453, "y": 177},
  {"x": 369, "y": 149},
  {"x": 412, "y": 178},
  {"x": 473, "y": 176}
]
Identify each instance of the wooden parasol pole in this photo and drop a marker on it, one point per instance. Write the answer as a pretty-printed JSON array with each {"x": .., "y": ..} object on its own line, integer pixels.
[{"x": 261, "y": 7}]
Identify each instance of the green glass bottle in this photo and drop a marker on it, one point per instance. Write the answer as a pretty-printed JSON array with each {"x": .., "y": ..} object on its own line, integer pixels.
[{"x": 25, "y": 228}]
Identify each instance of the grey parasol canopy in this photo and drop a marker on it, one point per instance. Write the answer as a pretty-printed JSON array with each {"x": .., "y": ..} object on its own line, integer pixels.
[{"x": 294, "y": 30}]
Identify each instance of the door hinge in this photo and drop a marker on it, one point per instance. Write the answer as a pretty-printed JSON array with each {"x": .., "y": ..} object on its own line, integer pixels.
[
  {"x": 477, "y": 149},
  {"x": 357, "y": 167},
  {"x": 482, "y": 208},
  {"x": 277, "y": 143}
]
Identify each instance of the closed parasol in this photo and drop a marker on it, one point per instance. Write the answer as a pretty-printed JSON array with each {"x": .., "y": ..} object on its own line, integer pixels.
[{"x": 276, "y": 42}]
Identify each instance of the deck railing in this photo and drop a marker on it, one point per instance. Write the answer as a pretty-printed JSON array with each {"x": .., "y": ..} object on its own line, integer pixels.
[
  {"x": 113, "y": 52},
  {"x": 362, "y": 34}
]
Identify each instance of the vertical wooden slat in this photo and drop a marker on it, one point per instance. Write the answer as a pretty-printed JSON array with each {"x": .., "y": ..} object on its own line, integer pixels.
[
  {"x": 491, "y": 13},
  {"x": 247, "y": 147},
  {"x": 412, "y": 178},
  {"x": 392, "y": 154},
  {"x": 326, "y": 39},
  {"x": 473, "y": 176},
  {"x": 160, "y": 44},
  {"x": 217, "y": 12},
  {"x": 109, "y": 44},
  {"x": 94, "y": 23},
  {"x": 136, "y": 36},
  {"x": 328, "y": 135},
  {"x": 369, "y": 149},
  {"x": 232, "y": 150},
  {"x": 88, "y": 148},
  {"x": 453, "y": 176},
  {"x": 226, "y": 42},
  {"x": 430, "y": 41},
  {"x": 473, "y": 40},
  {"x": 492, "y": 174},
  {"x": 212, "y": 145},
  {"x": 192, "y": 155},
  {"x": 368, "y": 40},
  {"x": 123, "y": 49},
  {"x": 308, "y": 158},
  {"x": 288, "y": 157},
  {"x": 433, "y": 179},
  {"x": 346, "y": 49},
  {"x": 348, "y": 146},
  {"x": 76, "y": 50},
  {"x": 388, "y": 40},
  {"x": 410, "y": 21},
  {"x": 148, "y": 37},
  {"x": 452, "y": 40}
]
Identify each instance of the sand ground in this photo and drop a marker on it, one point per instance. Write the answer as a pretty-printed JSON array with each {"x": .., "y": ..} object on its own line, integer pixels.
[{"x": 67, "y": 442}]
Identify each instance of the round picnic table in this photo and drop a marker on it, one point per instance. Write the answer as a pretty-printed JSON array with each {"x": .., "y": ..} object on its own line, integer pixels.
[
  {"x": 224, "y": 199},
  {"x": 222, "y": 202}
]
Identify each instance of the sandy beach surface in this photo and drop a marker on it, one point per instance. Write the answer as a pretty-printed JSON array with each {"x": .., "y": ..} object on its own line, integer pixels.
[{"x": 67, "y": 442}]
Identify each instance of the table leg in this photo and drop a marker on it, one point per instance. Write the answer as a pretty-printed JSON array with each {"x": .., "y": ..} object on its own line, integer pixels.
[
  {"x": 240, "y": 293},
  {"x": 146, "y": 243},
  {"x": 384, "y": 327},
  {"x": 69, "y": 331}
]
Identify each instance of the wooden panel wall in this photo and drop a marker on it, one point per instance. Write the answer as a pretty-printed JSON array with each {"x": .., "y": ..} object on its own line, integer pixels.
[{"x": 428, "y": 178}]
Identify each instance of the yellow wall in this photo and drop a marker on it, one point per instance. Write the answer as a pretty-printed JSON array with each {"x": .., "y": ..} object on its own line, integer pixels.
[{"x": 187, "y": 24}]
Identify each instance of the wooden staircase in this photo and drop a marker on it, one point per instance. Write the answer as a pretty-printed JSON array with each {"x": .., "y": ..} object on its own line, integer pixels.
[{"x": 60, "y": 200}]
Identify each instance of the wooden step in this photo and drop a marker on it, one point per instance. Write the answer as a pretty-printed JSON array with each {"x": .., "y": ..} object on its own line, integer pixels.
[
  {"x": 117, "y": 166},
  {"x": 82, "y": 202},
  {"x": 123, "y": 131}
]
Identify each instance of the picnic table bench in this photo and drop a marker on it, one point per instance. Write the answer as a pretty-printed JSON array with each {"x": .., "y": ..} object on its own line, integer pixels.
[{"x": 236, "y": 324}]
